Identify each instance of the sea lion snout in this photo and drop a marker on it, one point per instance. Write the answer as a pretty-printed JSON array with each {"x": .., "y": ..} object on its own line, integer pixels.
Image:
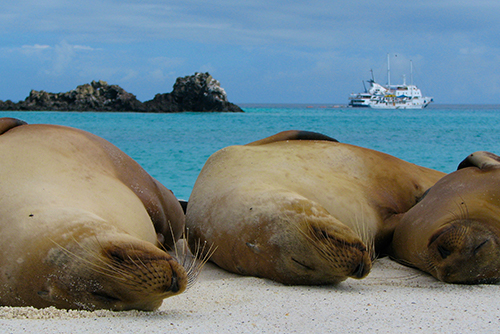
[
  {"x": 363, "y": 268},
  {"x": 113, "y": 275},
  {"x": 341, "y": 250},
  {"x": 152, "y": 270}
]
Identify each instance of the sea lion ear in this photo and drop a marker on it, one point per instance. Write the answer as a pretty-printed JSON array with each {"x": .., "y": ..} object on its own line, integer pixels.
[
  {"x": 481, "y": 160},
  {"x": 293, "y": 135},
  {"x": 7, "y": 123}
]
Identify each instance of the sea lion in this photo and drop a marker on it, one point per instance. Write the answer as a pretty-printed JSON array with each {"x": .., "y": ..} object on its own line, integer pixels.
[
  {"x": 453, "y": 232},
  {"x": 301, "y": 208},
  {"x": 77, "y": 223}
]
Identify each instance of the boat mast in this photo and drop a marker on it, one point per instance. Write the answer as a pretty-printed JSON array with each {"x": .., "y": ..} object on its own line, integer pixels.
[
  {"x": 411, "y": 72},
  {"x": 388, "y": 71},
  {"x": 411, "y": 77}
]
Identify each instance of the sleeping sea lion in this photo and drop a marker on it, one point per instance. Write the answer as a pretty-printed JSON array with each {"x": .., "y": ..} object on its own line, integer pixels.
[
  {"x": 301, "y": 208},
  {"x": 454, "y": 232},
  {"x": 80, "y": 222}
]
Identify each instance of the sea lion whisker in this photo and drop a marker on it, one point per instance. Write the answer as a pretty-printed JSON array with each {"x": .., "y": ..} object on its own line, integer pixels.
[
  {"x": 88, "y": 250},
  {"x": 186, "y": 254},
  {"x": 318, "y": 238},
  {"x": 326, "y": 249},
  {"x": 151, "y": 269},
  {"x": 322, "y": 245},
  {"x": 195, "y": 271},
  {"x": 312, "y": 234},
  {"x": 189, "y": 261},
  {"x": 105, "y": 265},
  {"x": 172, "y": 248},
  {"x": 197, "y": 261},
  {"x": 192, "y": 263},
  {"x": 360, "y": 228},
  {"x": 112, "y": 269},
  {"x": 140, "y": 264},
  {"x": 93, "y": 266},
  {"x": 180, "y": 250}
]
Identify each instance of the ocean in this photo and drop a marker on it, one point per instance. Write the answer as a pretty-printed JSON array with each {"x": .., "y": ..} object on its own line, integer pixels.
[{"x": 174, "y": 147}]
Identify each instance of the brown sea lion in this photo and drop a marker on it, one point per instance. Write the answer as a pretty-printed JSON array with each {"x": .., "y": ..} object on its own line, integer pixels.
[
  {"x": 453, "y": 233},
  {"x": 77, "y": 223},
  {"x": 301, "y": 208}
]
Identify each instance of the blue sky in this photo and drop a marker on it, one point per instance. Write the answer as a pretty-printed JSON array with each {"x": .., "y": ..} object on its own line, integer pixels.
[{"x": 272, "y": 51}]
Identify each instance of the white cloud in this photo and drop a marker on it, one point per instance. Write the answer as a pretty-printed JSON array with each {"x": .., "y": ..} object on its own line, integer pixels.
[
  {"x": 56, "y": 59},
  {"x": 36, "y": 47},
  {"x": 36, "y": 50}
]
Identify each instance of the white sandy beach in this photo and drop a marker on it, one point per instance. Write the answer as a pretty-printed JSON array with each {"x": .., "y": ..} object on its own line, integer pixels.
[{"x": 392, "y": 298}]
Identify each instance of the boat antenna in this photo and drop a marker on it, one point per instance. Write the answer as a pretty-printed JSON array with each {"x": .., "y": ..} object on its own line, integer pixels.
[
  {"x": 388, "y": 71},
  {"x": 373, "y": 77},
  {"x": 366, "y": 91},
  {"x": 411, "y": 72}
]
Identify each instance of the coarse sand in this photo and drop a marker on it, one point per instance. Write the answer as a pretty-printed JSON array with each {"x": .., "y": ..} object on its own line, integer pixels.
[{"x": 392, "y": 299}]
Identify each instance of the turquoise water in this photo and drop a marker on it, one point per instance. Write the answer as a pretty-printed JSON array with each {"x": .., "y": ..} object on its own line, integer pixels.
[{"x": 174, "y": 147}]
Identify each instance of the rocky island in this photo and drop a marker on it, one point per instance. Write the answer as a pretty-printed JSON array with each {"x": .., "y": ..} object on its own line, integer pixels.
[{"x": 198, "y": 92}]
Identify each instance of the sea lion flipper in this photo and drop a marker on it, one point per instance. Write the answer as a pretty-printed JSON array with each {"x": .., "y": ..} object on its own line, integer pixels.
[
  {"x": 165, "y": 211},
  {"x": 7, "y": 123},
  {"x": 481, "y": 160},
  {"x": 293, "y": 135}
]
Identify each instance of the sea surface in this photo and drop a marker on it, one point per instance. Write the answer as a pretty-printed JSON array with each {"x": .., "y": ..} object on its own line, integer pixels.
[{"x": 174, "y": 147}]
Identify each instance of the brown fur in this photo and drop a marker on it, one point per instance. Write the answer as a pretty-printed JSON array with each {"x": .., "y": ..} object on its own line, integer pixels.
[
  {"x": 307, "y": 211},
  {"x": 453, "y": 233},
  {"x": 77, "y": 224}
]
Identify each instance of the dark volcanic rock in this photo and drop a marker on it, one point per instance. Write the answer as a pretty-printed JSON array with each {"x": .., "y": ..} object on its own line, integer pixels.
[
  {"x": 8, "y": 105},
  {"x": 198, "y": 92},
  {"x": 96, "y": 96}
]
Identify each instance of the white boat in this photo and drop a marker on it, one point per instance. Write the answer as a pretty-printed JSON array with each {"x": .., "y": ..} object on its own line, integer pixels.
[{"x": 390, "y": 96}]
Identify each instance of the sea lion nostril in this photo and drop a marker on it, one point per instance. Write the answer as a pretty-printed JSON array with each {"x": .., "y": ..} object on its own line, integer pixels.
[
  {"x": 359, "y": 271},
  {"x": 174, "y": 286}
]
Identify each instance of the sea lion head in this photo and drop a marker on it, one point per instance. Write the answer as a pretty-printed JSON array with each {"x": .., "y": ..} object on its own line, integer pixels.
[
  {"x": 113, "y": 271},
  {"x": 335, "y": 253},
  {"x": 301, "y": 244},
  {"x": 113, "y": 275},
  {"x": 465, "y": 251},
  {"x": 457, "y": 224}
]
